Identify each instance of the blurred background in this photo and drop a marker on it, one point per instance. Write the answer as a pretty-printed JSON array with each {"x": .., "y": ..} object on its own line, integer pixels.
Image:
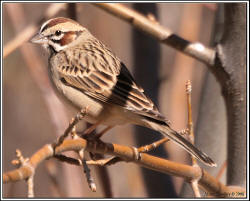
[{"x": 33, "y": 116}]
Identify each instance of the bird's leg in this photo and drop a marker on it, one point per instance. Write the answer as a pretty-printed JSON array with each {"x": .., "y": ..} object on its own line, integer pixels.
[
  {"x": 98, "y": 135},
  {"x": 90, "y": 129},
  {"x": 89, "y": 134}
]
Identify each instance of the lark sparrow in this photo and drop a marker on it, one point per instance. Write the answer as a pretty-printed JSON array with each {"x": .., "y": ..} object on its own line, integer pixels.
[{"x": 88, "y": 74}]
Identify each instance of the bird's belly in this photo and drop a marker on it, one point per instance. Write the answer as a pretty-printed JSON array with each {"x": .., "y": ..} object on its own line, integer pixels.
[
  {"x": 96, "y": 111},
  {"x": 80, "y": 101}
]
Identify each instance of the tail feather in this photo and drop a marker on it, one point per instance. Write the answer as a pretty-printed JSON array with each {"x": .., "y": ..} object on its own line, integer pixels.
[{"x": 189, "y": 147}]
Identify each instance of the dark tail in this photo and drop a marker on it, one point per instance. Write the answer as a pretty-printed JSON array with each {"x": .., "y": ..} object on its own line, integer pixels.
[{"x": 173, "y": 135}]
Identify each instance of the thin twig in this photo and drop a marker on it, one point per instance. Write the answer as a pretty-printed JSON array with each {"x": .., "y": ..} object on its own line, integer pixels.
[
  {"x": 164, "y": 35},
  {"x": 21, "y": 162},
  {"x": 149, "y": 147},
  {"x": 30, "y": 183},
  {"x": 195, "y": 188},
  {"x": 222, "y": 170},
  {"x": 21, "y": 38},
  {"x": 20, "y": 159},
  {"x": 190, "y": 119},
  {"x": 79, "y": 116},
  {"x": 194, "y": 182}
]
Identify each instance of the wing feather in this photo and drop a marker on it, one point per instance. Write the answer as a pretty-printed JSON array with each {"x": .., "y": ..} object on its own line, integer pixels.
[{"x": 108, "y": 85}]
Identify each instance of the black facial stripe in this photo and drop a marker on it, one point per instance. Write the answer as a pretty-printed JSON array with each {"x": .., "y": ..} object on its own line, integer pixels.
[
  {"x": 52, "y": 50},
  {"x": 55, "y": 37},
  {"x": 56, "y": 41}
]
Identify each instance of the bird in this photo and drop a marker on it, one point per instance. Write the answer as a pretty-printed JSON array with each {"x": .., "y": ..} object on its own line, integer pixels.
[{"x": 86, "y": 73}]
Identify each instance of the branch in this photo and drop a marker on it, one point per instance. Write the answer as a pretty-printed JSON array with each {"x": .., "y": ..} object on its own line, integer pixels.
[
  {"x": 230, "y": 70},
  {"x": 157, "y": 31},
  {"x": 208, "y": 182},
  {"x": 114, "y": 159}
]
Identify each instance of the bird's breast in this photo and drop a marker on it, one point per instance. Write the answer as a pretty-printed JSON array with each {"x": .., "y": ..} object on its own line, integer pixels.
[{"x": 97, "y": 110}]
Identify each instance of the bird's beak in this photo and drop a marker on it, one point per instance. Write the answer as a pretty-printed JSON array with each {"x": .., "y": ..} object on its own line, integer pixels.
[{"x": 39, "y": 39}]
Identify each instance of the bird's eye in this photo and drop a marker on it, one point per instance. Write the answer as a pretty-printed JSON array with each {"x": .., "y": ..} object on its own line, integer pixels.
[{"x": 58, "y": 33}]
